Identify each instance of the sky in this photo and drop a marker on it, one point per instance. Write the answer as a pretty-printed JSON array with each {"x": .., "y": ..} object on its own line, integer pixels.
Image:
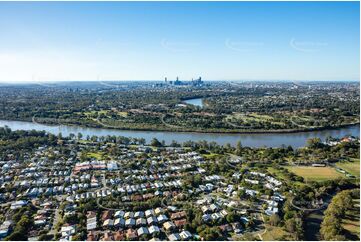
[{"x": 67, "y": 41}]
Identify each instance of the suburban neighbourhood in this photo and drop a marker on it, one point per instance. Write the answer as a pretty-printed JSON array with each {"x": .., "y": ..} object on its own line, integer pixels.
[{"x": 113, "y": 188}]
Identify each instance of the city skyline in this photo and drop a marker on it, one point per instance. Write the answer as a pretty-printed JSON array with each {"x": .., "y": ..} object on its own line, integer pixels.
[{"x": 93, "y": 41}]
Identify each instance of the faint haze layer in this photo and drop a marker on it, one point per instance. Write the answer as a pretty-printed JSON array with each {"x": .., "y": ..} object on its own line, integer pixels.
[{"x": 44, "y": 41}]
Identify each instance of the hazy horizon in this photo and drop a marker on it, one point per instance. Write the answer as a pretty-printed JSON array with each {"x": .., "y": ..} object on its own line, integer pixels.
[{"x": 100, "y": 81}]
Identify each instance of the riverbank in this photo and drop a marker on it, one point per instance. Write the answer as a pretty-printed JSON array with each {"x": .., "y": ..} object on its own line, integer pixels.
[
  {"x": 252, "y": 140},
  {"x": 174, "y": 128}
]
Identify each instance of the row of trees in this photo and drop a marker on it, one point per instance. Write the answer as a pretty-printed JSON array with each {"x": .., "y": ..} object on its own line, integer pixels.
[{"x": 331, "y": 227}]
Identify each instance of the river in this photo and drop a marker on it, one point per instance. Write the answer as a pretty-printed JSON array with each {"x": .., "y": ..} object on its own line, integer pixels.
[
  {"x": 195, "y": 101},
  {"x": 252, "y": 140}
]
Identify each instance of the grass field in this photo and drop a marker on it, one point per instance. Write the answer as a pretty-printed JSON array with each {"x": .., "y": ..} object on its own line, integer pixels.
[
  {"x": 255, "y": 117},
  {"x": 352, "y": 167},
  {"x": 97, "y": 155},
  {"x": 276, "y": 173},
  {"x": 212, "y": 156},
  {"x": 123, "y": 114},
  {"x": 352, "y": 221},
  {"x": 315, "y": 173},
  {"x": 275, "y": 233}
]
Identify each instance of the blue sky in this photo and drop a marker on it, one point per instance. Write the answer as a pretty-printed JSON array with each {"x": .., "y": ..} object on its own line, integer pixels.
[{"x": 45, "y": 41}]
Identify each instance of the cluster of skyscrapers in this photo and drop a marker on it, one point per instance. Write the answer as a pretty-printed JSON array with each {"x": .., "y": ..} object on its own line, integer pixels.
[{"x": 177, "y": 82}]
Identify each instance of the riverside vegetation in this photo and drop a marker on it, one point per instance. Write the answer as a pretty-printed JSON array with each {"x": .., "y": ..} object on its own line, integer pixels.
[{"x": 228, "y": 107}]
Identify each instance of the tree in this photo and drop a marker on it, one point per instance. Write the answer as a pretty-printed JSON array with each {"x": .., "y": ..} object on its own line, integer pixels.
[
  {"x": 274, "y": 220},
  {"x": 142, "y": 141},
  {"x": 197, "y": 180},
  {"x": 213, "y": 233},
  {"x": 16, "y": 236},
  {"x": 231, "y": 217},
  {"x": 80, "y": 135},
  {"x": 239, "y": 148},
  {"x": 291, "y": 225},
  {"x": 331, "y": 227},
  {"x": 241, "y": 193},
  {"x": 155, "y": 142},
  {"x": 71, "y": 136},
  {"x": 24, "y": 223},
  {"x": 250, "y": 223},
  {"x": 174, "y": 144},
  {"x": 45, "y": 237},
  {"x": 314, "y": 142}
]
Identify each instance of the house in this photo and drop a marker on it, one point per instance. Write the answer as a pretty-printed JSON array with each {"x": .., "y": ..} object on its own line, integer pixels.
[
  {"x": 119, "y": 236},
  {"x": 172, "y": 208},
  {"x": 92, "y": 236},
  {"x": 91, "y": 223},
  {"x": 91, "y": 214},
  {"x": 154, "y": 229},
  {"x": 67, "y": 231},
  {"x": 159, "y": 211},
  {"x": 149, "y": 212},
  {"x": 108, "y": 223},
  {"x": 139, "y": 214},
  {"x": 174, "y": 237},
  {"x": 244, "y": 219},
  {"x": 251, "y": 193},
  {"x": 111, "y": 166},
  {"x": 180, "y": 223},
  {"x": 205, "y": 209},
  {"x": 131, "y": 234},
  {"x": 271, "y": 210},
  {"x": 18, "y": 204},
  {"x": 128, "y": 215},
  {"x": 119, "y": 222},
  {"x": 226, "y": 228},
  {"x": 40, "y": 222},
  {"x": 141, "y": 221},
  {"x": 224, "y": 213},
  {"x": 254, "y": 182},
  {"x": 91, "y": 220},
  {"x": 237, "y": 228},
  {"x": 108, "y": 236},
  {"x": 169, "y": 226},
  {"x": 162, "y": 218},
  {"x": 185, "y": 235},
  {"x": 130, "y": 222},
  {"x": 119, "y": 214},
  {"x": 152, "y": 220},
  {"x": 142, "y": 231},
  {"x": 5, "y": 228},
  {"x": 178, "y": 215},
  {"x": 237, "y": 175},
  {"x": 106, "y": 215},
  {"x": 215, "y": 216},
  {"x": 206, "y": 217},
  {"x": 213, "y": 207}
]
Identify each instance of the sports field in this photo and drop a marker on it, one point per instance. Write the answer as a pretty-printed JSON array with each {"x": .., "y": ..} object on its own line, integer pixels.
[
  {"x": 352, "y": 167},
  {"x": 310, "y": 173}
]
